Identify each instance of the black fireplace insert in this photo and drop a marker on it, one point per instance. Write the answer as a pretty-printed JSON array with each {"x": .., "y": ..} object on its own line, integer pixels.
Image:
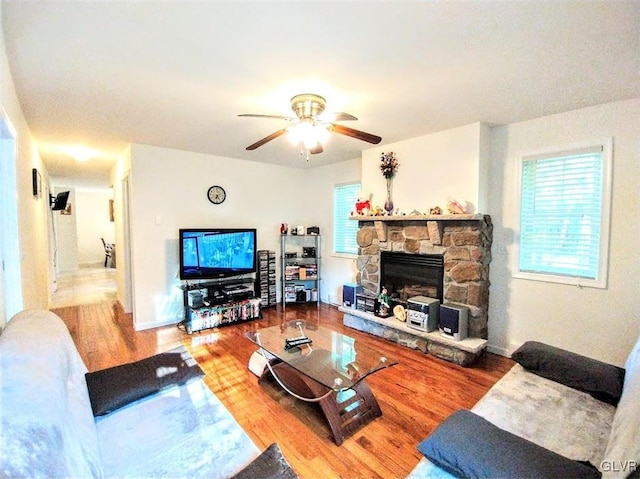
[{"x": 406, "y": 275}]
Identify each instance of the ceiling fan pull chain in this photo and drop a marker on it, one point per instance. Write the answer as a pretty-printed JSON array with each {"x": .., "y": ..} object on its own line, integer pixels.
[{"x": 304, "y": 149}]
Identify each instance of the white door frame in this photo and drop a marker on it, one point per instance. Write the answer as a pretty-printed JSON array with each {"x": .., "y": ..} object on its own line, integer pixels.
[
  {"x": 11, "y": 300},
  {"x": 127, "y": 257}
]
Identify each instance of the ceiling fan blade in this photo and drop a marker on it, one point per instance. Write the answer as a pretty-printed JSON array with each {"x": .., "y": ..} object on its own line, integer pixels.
[
  {"x": 360, "y": 135},
  {"x": 316, "y": 149},
  {"x": 277, "y": 117},
  {"x": 342, "y": 116},
  {"x": 267, "y": 139}
]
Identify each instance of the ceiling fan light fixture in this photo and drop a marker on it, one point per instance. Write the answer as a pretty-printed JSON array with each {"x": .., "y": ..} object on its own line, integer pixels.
[
  {"x": 308, "y": 134},
  {"x": 320, "y": 134}
]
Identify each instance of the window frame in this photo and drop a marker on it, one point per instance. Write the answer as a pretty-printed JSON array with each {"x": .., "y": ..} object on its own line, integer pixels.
[
  {"x": 605, "y": 215},
  {"x": 335, "y": 253}
]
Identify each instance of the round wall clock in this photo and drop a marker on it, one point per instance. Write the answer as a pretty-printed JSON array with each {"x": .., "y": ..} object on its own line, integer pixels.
[{"x": 216, "y": 194}]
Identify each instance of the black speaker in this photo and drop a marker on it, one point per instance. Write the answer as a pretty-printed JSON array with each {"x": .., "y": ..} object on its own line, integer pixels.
[
  {"x": 349, "y": 292},
  {"x": 454, "y": 321}
]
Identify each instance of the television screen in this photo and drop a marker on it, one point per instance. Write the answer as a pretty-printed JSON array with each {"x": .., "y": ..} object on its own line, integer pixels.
[
  {"x": 59, "y": 202},
  {"x": 217, "y": 253}
]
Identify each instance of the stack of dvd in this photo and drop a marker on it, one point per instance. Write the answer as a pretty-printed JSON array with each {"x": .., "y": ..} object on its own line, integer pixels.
[{"x": 267, "y": 277}]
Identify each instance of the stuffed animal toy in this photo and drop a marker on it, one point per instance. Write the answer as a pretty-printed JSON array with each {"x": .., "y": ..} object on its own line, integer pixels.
[{"x": 363, "y": 206}]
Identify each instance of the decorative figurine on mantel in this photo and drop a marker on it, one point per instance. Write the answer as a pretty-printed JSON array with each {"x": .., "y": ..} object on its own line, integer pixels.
[
  {"x": 455, "y": 207},
  {"x": 384, "y": 303},
  {"x": 363, "y": 205},
  {"x": 377, "y": 211}
]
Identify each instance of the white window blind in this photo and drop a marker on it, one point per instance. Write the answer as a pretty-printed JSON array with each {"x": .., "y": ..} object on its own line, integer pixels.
[
  {"x": 561, "y": 225},
  {"x": 344, "y": 229}
]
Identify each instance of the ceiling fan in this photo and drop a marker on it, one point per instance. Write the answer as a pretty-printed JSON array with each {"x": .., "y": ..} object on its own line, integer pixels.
[{"x": 309, "y": 127}]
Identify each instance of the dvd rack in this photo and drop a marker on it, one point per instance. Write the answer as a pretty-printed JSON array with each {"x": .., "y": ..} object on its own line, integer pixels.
[{"x": 267, "y": 277}]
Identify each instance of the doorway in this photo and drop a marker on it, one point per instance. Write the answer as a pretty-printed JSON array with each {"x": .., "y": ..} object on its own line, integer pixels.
[
  {"x": 83, "y": 273},
  {"x": 11, "y": 300}
]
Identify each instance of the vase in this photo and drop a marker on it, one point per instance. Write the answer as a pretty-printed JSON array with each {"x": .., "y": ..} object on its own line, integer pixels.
[{"x": 388, "y": 205}]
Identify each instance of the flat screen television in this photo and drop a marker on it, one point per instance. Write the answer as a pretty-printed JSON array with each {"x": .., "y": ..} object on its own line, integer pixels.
[
  {"x": 59, "y": 202},
  {"x": 217, "y": 253}
]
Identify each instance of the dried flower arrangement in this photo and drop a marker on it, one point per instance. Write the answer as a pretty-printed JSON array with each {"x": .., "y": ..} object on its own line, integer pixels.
[{"x": 388, "y": 164}]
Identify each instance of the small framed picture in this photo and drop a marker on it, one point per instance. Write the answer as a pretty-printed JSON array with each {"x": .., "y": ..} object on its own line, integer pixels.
[{"x": 36, "y": 180}]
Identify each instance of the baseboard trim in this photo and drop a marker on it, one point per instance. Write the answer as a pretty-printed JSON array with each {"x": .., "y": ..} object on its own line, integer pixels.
[
  {"x": 155, "y": 324},
  {"x": 499, "y": 351}
]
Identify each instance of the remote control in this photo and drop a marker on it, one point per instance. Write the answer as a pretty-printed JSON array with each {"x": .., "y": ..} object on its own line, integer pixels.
[{"x": 290, "y": 343}]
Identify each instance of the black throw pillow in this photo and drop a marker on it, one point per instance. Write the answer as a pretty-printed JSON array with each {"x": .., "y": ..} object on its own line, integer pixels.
[
  {"x": 271, "y": 464},
  {"x": 467, "y": 445},
  {"x": 113, "y": 388},
  {"x": 601, "y": 380}
]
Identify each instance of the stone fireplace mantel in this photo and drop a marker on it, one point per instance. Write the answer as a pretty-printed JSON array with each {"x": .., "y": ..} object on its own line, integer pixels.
[
  {"x": 461, "y": 217},
  {"x": 435, "y": 223}
]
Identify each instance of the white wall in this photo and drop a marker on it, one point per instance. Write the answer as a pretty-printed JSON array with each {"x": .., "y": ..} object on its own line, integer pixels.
[
  {"x": 32, "y": 211},
  {"x": 601, "y": 323},
  {"x": 433, "y": 168}
]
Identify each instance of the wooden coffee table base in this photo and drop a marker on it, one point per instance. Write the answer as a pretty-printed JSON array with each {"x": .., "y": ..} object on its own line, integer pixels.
[{"x": 346, "y": 411}]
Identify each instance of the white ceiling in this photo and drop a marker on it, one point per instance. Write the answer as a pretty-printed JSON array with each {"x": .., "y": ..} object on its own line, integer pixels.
[{"x": 177, "y": 73}]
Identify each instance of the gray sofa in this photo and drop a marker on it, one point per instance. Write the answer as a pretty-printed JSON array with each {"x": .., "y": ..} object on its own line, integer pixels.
[
  {"x": 555, "y": 414},
  {"x": 169, "y": 424}
]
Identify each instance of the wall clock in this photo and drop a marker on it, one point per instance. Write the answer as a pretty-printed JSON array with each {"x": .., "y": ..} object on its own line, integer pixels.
[{"x": 216, "y": 194}]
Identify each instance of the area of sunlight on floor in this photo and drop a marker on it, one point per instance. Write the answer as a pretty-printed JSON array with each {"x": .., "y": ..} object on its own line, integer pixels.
[{"x": 89, "y": 284}]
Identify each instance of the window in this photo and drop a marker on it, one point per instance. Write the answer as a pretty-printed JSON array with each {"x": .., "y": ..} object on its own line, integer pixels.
[
  {"x": 564, "y": 216},
  {"x": 344, "y": 229}
]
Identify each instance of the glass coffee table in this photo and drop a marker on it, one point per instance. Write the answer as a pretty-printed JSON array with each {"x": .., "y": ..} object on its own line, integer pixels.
[{"x": 316, "y": 364}]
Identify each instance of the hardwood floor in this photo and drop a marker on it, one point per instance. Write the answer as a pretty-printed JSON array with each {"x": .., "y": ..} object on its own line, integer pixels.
[
  {"x": 415, "y": 395},
  {"x": 88, "y": 284}
]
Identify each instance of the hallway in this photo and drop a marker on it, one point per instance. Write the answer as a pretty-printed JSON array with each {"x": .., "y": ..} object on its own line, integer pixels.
[{"x": 89, "y": 284}]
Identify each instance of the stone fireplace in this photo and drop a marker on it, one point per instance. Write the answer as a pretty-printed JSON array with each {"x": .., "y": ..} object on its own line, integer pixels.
[{"x": 463, "y": 242}]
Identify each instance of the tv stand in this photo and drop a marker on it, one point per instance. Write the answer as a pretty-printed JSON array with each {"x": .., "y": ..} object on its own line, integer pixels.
[{"x": 212, "y": 304}]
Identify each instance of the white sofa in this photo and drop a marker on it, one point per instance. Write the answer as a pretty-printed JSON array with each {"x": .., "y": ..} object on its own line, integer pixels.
[
  {"x": 48, "y": 429},
  {"x": 555, "y": 414}
]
